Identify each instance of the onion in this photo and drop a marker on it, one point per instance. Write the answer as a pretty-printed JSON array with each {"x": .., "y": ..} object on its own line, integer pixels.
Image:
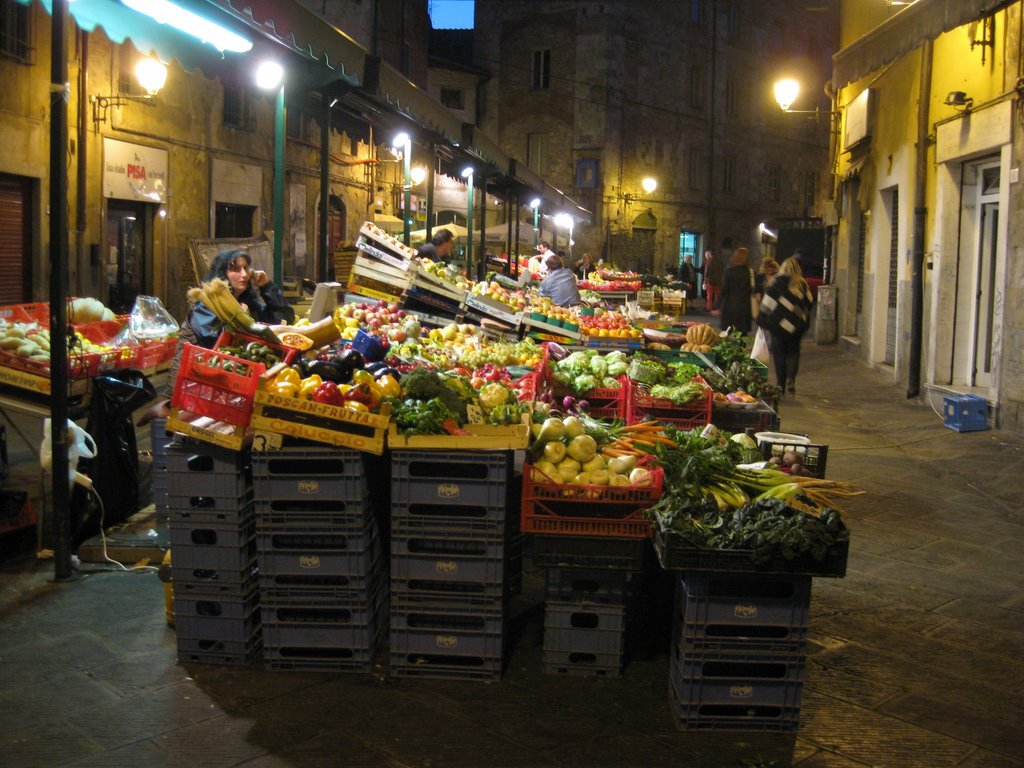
[
  {"x": 569, "y": 403},
  {"x": 582, "y": 405}
]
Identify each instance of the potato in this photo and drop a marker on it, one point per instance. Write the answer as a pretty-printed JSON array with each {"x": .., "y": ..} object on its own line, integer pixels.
[{"x": 792, "y": 458}]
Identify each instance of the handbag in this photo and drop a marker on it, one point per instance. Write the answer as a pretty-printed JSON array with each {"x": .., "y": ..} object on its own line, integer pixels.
[{"x": 759, "y": 351}]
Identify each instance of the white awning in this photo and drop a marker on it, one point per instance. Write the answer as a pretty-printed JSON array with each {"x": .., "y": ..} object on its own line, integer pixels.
[{"x": 902, "y": 33}]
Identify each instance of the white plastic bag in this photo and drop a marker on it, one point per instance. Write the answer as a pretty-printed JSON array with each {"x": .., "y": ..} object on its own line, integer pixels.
[
  {"x": 759, "y": 351},
  {"x": 80, "y": 444}
]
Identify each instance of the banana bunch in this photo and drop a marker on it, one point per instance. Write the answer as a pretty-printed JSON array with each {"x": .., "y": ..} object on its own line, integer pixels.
[
  {"x": 219, "y": 299},
  {"x": 26, "y": 340}
]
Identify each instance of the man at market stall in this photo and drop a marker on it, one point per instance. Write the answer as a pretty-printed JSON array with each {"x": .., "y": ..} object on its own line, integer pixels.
[
  {"x": 560, "y": 283},
  {"x": 537, "y": 265},
  {"x": 438, "y": 248}
]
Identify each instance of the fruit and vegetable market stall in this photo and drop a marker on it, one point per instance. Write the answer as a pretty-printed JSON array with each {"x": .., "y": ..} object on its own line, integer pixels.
[{"x": 487, "y": 443}]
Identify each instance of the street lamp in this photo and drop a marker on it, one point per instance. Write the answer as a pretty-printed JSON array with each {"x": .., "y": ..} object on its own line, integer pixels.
[
  {"x": 467, "y": 174},
  {"x": 566, "y": 221},
  {"x": 403, "y": 143},
  {"x": 535, "y": 204},
  {"x": 270, "y": 75},
  {"x": 786, "y": 92},
  {"x": 649, "y": 184},
  {"x": 419, "y": 173}
]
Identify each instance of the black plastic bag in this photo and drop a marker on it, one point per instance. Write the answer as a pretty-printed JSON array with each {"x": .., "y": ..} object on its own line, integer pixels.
[{"x": 115, "y": 469}]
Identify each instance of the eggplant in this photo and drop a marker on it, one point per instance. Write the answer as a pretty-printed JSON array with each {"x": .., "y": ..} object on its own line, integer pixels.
[
  {"x": 387, "y": 370},
  {"x": 330, "y": 370},
  {"x": 374, "y": 367},
  {"x": 351, "y": 357}
]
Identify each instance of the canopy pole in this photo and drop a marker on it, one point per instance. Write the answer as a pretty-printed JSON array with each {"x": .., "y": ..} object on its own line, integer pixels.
[
  {"x": 324, "y": 267},
  {"x": 59, "y": 95},
  {"x": 278, "y": 202}
]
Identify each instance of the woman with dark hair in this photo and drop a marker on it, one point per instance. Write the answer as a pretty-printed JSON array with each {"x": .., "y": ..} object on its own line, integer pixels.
[{"x": 254, "y": 290}]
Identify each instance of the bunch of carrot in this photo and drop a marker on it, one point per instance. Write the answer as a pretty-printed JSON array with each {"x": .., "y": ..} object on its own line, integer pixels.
[{"x": 638, "y": 440}]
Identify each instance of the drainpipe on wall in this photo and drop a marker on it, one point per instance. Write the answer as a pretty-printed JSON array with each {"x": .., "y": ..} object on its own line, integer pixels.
[
  {"x": 920, "y": 213},
  {"x": 82, "y": 169}
]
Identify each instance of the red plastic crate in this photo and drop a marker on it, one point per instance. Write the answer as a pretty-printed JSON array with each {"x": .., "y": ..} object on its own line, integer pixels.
[
  {"x": 204, "y": 388},
  {"x": 227, "y": 338},
  {"x": 104, "y": 332},
  {"x": 641, "y": 406},
  {"x": 605, "y": 402},
  {"x": 528, "y": 386},
  {"x": 588, "y": 510}
]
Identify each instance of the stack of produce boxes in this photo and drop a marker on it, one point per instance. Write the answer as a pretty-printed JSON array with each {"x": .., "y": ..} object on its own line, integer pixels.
[
  {"x": 158, "y": 440},
  {"x": 449, "y": 530},
  {"x": 585, "y": 618},
  {"x": 322, "y": 577},
  {"x": 213, "y": 544},
  {"x": 737, "y": 659}
]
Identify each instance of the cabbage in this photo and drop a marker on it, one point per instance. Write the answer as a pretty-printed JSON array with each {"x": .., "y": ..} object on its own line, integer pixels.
[
  {"x": 610, "y": 382},
  {"x": 585, "y": 382},
  {"x": 598, "y": 366},
  {"x": 617, "y": 368}
]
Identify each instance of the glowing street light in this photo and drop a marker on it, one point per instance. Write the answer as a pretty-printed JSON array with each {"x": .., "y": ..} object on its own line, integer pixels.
[
  {"x": 270, "y": 75},
  {"x": 151, "y": 74},
  {"x": 649, "y": 184},
  {"x": 565, "y": 221},
  {"x": 786, "y": 91},
  {"x": 467, "y": 174},
  {"x": 535, "y": 204},
  {"x": 403, "y": 143},
  {"x": 419, "y": 173}
]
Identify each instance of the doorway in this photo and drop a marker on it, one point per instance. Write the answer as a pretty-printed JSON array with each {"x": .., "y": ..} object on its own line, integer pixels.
[
  {"x": 978, "y": 264},
  {"x": 129, "y": 263}
]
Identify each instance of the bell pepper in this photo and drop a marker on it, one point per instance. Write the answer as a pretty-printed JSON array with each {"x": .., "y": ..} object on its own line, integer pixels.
[
  {"x": 309, "y": 385},
  {"x": 389, "y": 386},
  {"x": 362, "y": 377},
  {"x": 327, "y": 393},
  {"x": 355, "y": 405},
  {"x": 289, "y": 376},
  {"x": 284, "y": 389},
  {"x": 362, "y": 393}
]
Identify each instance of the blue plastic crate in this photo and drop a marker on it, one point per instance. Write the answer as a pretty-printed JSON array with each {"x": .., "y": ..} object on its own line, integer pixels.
[
  {"x": 304, "y": 473},
  {"x": 451, "y": 479},
  {"x": 965, "y": 413},
  {"x": 448, "y": 558},
  {"x": 585, "y": 586}
]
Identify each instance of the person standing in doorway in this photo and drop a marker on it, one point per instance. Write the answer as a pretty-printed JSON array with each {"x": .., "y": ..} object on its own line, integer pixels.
[
  {"x": 714, "y": 266},
  {"x": 785, "y": 314},
  {"x": 688, "y": 276}
]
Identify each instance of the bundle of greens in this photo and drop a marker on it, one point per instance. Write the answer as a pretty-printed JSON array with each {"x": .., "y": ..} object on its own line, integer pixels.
[
  {"x": 423, "y": 417},
  {"x": 770, "y": 528},
  {"x": 679, "y": 394},
  {"x": 454, "y": 392},
  {"x": 735, "y": 346},
  {"x": 743, "y": 374}
]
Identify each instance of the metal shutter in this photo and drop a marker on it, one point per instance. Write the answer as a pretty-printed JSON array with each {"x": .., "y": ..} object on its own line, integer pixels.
[{"x": 15, "y": 250}]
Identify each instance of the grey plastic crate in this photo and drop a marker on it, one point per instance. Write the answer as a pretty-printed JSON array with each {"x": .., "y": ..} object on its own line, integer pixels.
[
  {"x": 341, "y": 585},
  {"x": 581, "y": 663},
  {"x": 217, "y": 606},
  {"x": 747, "y": 637},
  {"x": 583, "y": 586},
  {"x": 447, "y": 634},
  {"x": 731, "y": 716},
  {"x": 198, "y": 628},
  {"x": 448, "y": 558},
  {"x": 592, "y": 628},
  {"x": 219, "y": 652},
  {"x": 213, "y": 580},
  {"x": 314, "y": 512},
  {"x": 746, "y": 599},
  {"x": 303, "y": 473},
  {"x": 451, "y": 479},
  {"x": 202, "y": 510},
  {"x": 732, "y": 678},
  {"x": 605, "y": 553},
  {"x": 316, "y": 551},
  {"x": 436, "y": 666},
  {"x": 441, "y": 592},
  {"x": 331, "y": 659},
  {"x": 200, "y": 469},
  {"x": 318, "y": 628},
  {"x": 187, "y": 558}
]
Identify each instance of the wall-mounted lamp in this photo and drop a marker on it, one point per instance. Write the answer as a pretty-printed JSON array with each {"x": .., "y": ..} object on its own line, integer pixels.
[
  {"x": 403, "y": 143},
  {"x": 150, "y": 73},
  {"x": 419, "y": 173},
  {"x": 648, "y": 184},
  {"x": 959, "y": 101},
  {"x": 786, "y": 92}
]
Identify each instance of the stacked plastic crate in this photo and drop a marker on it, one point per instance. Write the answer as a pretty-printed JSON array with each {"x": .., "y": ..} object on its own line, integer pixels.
[
  {"x": 213, "y": 553},
  {"x": 158, "y": 477},
  {"x": 322, "y": 577},
  {"x": 449, "y": 529},
  {"x": 738, "y": 656},
  {"x": 585, "y": 618}
]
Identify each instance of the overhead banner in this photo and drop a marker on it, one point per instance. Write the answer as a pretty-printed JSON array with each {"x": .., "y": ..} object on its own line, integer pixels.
[{"x": 134, "y": 172}]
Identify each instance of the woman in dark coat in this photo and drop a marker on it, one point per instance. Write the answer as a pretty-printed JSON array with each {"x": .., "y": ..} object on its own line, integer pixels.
[{"x": 737, "y": 289}]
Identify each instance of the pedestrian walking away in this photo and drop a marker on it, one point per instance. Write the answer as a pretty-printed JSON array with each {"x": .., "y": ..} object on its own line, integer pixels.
[
  {"x": 737, "y": 290},
  {"x": 785, "y": 314}
]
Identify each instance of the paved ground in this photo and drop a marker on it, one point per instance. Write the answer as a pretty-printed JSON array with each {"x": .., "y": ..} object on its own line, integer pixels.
[{"x": 914, "y": 657}]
